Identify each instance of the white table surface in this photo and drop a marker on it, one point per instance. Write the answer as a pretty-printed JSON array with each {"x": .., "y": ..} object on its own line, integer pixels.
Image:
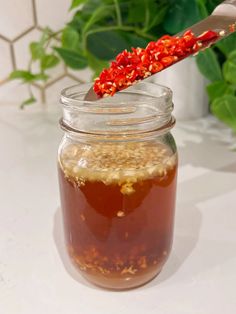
[{"x": 35, "y": 277}]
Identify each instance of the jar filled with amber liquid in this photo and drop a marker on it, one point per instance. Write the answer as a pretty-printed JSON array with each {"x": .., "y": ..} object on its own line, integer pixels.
[{"x": 117, "y": 167}]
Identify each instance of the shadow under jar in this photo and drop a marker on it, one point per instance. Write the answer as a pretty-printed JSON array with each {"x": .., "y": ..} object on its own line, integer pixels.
[{"x": 117, "y": 172}]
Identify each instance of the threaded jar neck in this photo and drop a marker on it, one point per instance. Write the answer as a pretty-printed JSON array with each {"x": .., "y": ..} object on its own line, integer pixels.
[{"x": 139, "y": 111}]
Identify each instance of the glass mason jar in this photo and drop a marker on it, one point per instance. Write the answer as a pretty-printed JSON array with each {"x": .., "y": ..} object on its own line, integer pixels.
[{"x": 117, "y": 172}]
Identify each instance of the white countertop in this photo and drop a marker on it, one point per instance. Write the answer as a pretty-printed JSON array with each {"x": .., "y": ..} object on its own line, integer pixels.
[{"x": 35, "y": 277}]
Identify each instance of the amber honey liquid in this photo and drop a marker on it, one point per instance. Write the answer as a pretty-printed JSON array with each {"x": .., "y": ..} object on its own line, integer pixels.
[{"x": 118, "y": 233}]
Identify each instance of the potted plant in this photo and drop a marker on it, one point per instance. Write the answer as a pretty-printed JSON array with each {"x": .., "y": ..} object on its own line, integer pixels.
[{"x": 100, "y": 29}]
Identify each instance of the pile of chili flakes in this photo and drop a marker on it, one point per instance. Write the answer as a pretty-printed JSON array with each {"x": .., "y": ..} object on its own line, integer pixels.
[{"x": 131, "y": 67}]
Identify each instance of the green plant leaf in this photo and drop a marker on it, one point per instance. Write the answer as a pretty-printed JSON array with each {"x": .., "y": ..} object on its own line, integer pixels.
[
  {"x": 73, "y": 59},
  {"x": 202, "y": 8},
  {"x": 209, "y": 65},
  {"x": 227, "y": 45},
  {"x": 96, "y": 64},
  {"x": 106, "y": 45},
  {"x": 28, "y": 102},
  {"x": 40, "y": 77},
  {"x": 157, "y": 17},
  {"x": 48, "y": 61},
  {"x": 47, "y": 32},
  {"x": 139, "y": 9},
  {"x": 182, "y": 14},
  {"x": 98, "y": 15},
  {"x": 78, "y": 21},
  {"x": 37, "y": 50},
  {"x": 232, "y": 55},
  {"x": 76, "y": 3},
  {"x": 27, "y": 76},
  {"x": 91, "y": 13},
  {"x": 134, "y": 40},
  {"x": 21, "y": 74},
  {"x": 70, "y": 38},
  {"x": 219, "y": 89},
  {"x": 229, "y": 68},
  {"x": 224, "y": 108},
  {"x": 212, "y": 4},
  {"x": 150, "y": 13}
]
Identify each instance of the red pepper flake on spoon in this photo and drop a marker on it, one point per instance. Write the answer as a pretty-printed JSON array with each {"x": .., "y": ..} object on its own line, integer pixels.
[
  {"x": 232, "y": 28},
  {"x": 131, "y": 67}
]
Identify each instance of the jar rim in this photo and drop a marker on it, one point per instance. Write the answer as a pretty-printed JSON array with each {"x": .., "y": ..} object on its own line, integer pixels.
[
  {"x": 138, "y": 109},
  {"x": 69, "y": 95}
]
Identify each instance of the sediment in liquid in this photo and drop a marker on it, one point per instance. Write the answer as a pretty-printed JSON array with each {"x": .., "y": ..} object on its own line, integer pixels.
[{"x": 118, "y": 203}]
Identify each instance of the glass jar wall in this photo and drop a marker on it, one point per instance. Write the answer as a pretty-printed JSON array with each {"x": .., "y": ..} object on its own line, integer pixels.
[{"x": 117, "y": 168}]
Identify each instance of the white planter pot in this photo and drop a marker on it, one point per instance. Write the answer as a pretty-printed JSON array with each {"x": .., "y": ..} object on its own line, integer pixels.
[{"x": 189, "y": 89}]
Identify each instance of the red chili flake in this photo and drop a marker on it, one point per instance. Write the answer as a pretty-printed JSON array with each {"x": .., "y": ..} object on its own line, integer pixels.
[
  {"x": 189, "y": 39},
  {"x": 207, "y": 36},
  {"x": 131, "y": 67},
  {"x": 232, "y": 28},
  {"x": 167, "y": 61},
  {"x": 156, "y": 67}
]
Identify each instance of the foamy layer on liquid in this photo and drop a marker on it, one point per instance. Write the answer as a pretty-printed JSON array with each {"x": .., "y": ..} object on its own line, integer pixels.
[{"x": 122, "y": 164}]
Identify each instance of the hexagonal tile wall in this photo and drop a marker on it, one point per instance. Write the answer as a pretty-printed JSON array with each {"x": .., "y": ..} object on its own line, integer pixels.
[
  {"x": 22, "y": 56},
  {"x": 53, "y": 13},
  {"x": 84, "y": 75},
  {"x": 5, "y": 60},
  {"x": 21, "y": 48},
  {"x": 53, "y": 91},
  {"x": 14, "y": 93},
  {"x": 21, "y": 22},
  {"x": 16, "y": 18}
]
